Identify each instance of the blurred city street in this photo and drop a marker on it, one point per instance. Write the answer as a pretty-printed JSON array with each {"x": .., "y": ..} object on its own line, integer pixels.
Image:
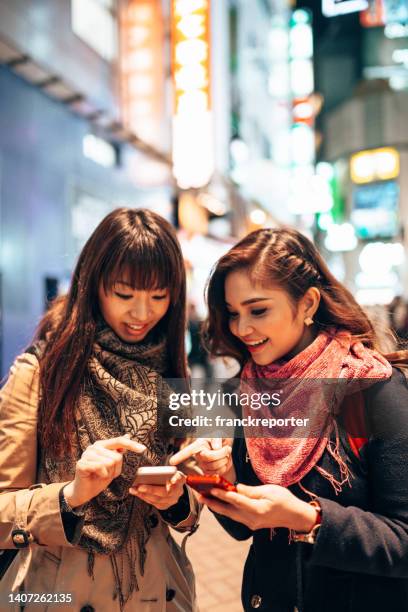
[
  {"x": 219, "y": 120},
  {"x": 223, "y": 117}
]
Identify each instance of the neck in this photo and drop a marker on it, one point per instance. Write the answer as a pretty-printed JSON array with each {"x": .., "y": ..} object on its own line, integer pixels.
[{"x": 309, "y": 336}]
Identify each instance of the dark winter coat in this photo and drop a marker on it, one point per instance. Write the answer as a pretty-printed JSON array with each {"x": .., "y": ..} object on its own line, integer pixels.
[{"x": 359, "y": 562}]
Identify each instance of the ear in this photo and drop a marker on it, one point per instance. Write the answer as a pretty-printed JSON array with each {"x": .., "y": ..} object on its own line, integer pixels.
[{"x": 310, "y": 302}]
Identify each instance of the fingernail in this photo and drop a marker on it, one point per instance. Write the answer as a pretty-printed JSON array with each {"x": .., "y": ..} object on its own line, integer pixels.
[{"x": 141, "y": 489}]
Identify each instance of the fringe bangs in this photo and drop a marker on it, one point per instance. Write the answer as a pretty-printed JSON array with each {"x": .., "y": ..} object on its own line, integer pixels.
[{"x": 145, "y": 264}]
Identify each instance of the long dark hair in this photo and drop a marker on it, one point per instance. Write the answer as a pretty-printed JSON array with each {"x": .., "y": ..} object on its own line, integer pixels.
[
  {"x": 287, "y": 258},
  {"x": 141, "y": 243}
]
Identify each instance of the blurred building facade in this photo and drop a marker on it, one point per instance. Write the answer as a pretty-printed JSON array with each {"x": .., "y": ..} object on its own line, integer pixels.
[
  {"x": 68, "y": 151},
  {"x": 361, "y": 73},
  {"x": 224, "y": 116}
]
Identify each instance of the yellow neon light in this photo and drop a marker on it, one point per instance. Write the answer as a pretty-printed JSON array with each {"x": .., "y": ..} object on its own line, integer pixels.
[
  {"x": 375, "y": 165},
  {"x": 193, "y": 147}
]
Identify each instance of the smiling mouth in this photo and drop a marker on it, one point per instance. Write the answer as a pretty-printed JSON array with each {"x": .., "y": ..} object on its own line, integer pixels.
[
  {"x": 254, "y": 345},
  {"x": 136, "y": 328}
]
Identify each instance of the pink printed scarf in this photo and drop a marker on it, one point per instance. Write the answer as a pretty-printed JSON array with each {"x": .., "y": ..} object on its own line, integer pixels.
[{"x": 312, "y": 385}]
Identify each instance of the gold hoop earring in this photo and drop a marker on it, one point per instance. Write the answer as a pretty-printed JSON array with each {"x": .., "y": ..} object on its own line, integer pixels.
[{"x": 308, "y": 321}]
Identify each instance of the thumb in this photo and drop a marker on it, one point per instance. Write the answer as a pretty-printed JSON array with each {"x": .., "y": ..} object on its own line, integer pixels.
[
  {"x": 251, "y": 492},
  {"x": 216, "y": 443}
]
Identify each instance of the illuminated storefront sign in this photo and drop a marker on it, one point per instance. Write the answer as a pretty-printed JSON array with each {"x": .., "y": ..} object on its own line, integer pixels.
[
  {"x": 374, "y": 165},
  {"x": 99, "y": 151},
  {"x": 142, "y": 72},
  {"x": 375, "y": 210},
  {"x": 193, "y": 149},
  {"x": 396, "y": 11},
  {"x": 301, "y": 54},
  {"x": 331, "y": 8},
  {"x": 304, "y": 196}
]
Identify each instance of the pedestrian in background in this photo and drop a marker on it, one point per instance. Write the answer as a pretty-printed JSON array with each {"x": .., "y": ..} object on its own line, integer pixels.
[{"x": 81, "y": 410}]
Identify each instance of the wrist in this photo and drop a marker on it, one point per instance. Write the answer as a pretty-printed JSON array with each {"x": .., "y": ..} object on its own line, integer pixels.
[
  {"x": 307, "y": 517},
  {"x": 310, "y": 536},
  {"x": 71, "y": 497}
]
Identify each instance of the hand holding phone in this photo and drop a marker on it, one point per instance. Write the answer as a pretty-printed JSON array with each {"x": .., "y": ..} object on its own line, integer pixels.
[
  {"x": 161, "y": 486},
  {"x": 204, "y": 484}
]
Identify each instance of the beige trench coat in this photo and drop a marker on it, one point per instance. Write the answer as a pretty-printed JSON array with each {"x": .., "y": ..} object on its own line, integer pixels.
[{"x": 51, "y": 564}]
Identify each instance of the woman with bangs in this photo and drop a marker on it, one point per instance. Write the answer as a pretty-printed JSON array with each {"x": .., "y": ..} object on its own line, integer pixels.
[
  {"x": 325, "y": 498},
  {"x": 82, "y": 409}
]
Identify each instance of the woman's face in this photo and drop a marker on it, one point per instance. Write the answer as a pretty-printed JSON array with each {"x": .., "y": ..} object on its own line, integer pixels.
[
  {"x": 264, "y": 319},
  {"x": 132, "y": 313}
]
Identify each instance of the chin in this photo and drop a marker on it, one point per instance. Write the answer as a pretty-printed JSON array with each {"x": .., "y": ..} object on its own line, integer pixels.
[
  {"x": 263, "y": 359},
  {"x": 130, "y": 339}
]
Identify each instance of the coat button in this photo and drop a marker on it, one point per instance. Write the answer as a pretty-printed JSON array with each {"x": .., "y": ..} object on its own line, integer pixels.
[
  {"x": 170, "y": 594},
  {"x": 153, "y": 521},
  {"x": 256, "y": 601},
  {"x": 87, "y": 608}
]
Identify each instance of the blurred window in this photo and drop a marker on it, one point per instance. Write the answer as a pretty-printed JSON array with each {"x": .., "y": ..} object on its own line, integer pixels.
[{"x": 95, "y": 22}]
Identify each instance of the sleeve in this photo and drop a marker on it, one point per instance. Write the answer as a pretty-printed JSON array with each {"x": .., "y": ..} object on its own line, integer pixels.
[
  {"x": 238, "y": 531},
  {"x": 184, "y": 515},
  {"x": 72, "y": 520},
  {"x": 376, "y": 541},
  {"x": 18, "y": 461}
]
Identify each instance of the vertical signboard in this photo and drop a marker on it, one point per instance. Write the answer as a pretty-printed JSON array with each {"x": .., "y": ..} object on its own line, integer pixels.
[
  {"x": 142, "y": 68},
  {"x": 193, "y": 147}
]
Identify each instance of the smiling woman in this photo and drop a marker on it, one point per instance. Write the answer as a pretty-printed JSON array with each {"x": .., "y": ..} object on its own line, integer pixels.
[
  {"x": 326, "y": 505},
  {"x": 81, "y": 411}
]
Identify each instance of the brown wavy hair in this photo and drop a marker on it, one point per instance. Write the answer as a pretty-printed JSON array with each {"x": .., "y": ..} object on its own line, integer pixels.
[
  {"x": 141, "y": 243},
  {"x": 287, "y": 258}
]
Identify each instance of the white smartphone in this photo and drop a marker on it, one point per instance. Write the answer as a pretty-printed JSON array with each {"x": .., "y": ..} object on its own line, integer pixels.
[{"x": 155, "y": 475}]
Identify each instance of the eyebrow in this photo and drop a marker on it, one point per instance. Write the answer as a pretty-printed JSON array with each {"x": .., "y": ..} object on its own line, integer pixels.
[{"x": 252, "y": 301}]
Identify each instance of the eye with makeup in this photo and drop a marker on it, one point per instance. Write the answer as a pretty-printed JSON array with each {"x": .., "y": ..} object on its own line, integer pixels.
[
  {"x": 256, "y": 312},
  {"x": 159, "y": 297},
  {"x": 122, "y": 296}
]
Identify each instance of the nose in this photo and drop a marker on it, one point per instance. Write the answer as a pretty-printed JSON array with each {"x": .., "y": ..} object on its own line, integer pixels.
[
  {"x": 139, "y": 311},
  {"x": 243, "y": 328}
]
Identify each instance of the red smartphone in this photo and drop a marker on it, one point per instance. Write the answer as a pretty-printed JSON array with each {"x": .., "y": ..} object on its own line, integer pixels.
[{"x": 204, "y": 484}]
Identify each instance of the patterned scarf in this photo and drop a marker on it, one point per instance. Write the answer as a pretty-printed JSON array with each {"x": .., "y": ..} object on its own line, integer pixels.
[
  {"x": 312, "y": 386},
  {"x": 123, "y": 393}
]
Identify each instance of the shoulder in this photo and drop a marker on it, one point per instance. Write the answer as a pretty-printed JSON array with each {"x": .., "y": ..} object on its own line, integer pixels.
[
  {"x": 25, "y": 365},
  {"x": 386, "y": 404},
  {"x": 393, "y": 389},
  {"x": 22, "y": 385}
]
